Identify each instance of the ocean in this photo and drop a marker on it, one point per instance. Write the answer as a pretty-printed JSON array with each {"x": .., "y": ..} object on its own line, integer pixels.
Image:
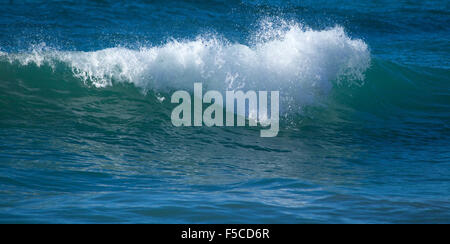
[{"x": 85, "y": 111}]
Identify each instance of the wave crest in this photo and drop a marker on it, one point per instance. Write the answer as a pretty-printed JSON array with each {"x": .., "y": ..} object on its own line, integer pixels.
[{"x": 299, "y": 62}]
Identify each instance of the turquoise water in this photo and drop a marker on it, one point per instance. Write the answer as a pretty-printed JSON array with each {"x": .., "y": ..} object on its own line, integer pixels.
[{"x": 85, "y": 109}]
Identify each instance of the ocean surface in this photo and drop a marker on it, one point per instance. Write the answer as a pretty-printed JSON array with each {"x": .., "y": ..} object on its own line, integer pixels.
[{"x": 86, "y": 134}]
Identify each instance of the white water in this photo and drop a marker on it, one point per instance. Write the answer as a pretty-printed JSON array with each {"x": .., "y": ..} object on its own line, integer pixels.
[{"x": 299, "y": 62}]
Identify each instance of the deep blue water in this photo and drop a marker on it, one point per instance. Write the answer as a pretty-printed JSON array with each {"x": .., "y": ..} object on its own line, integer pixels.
[{"x": 85, "y": 108}]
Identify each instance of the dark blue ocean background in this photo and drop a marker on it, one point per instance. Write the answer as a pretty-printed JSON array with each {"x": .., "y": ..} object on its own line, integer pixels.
[{"x": 86, "y": 135}]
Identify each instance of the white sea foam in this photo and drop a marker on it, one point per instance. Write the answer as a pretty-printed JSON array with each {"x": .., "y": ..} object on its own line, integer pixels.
[{"x": 299, "y": 62}]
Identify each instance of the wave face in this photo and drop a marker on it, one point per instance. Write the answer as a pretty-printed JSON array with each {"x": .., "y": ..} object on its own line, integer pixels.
[{"x": 85, "y": 125}]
